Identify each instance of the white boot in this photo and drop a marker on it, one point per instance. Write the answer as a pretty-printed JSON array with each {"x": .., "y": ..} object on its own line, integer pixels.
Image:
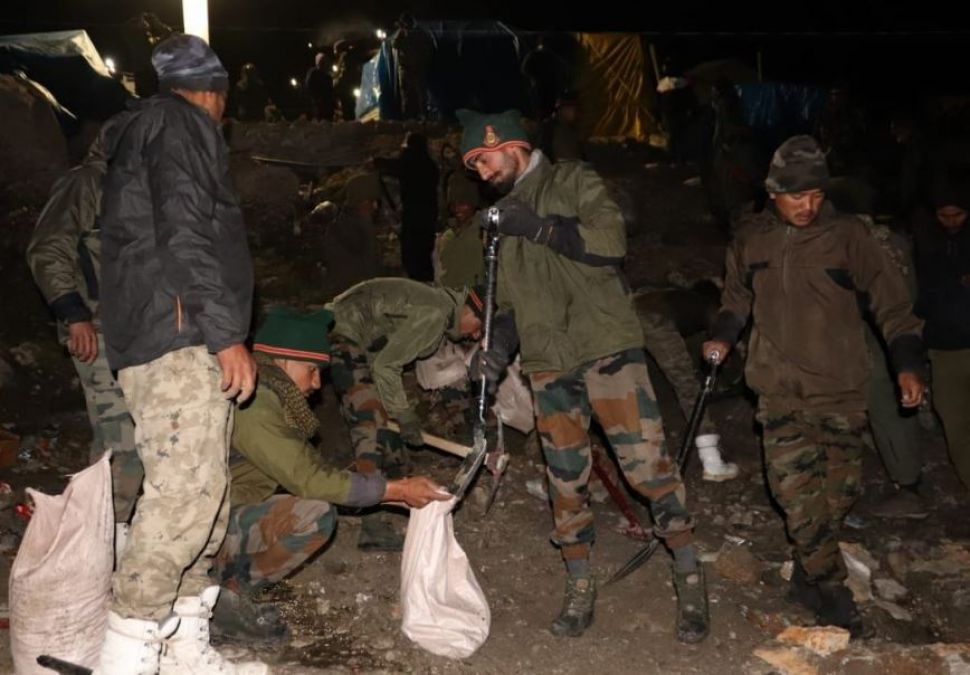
[
  {"x": 131, "y": 646},
  {"x": 121, "y": 538},
  {"x": 715, "y": 468},
  {"x": 188, "y": 651}
]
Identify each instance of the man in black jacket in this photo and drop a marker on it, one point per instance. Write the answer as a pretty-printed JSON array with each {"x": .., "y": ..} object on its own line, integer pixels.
[
  {"x": 177, "y": 288},
  {"x": 943, "y": 270}
]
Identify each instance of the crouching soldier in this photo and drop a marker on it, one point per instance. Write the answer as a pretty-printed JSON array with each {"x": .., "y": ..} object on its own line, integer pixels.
[
  {"x": 381, "y": 326},
  {"x": 800, "y": 269},
  {"x": 272, "y": 532}
]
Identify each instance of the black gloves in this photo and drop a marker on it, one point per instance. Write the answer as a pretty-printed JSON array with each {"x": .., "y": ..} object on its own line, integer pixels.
[
  {"x": 493, "y": 362},
  {"x": 559, "y": 233}
]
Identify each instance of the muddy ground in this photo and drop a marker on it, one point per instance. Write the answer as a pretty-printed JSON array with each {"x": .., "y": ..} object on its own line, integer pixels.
[{"x": 344, "y": 605}]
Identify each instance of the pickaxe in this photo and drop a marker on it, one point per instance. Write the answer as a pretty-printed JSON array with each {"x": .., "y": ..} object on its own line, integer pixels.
[{"x": 643, "y": 555}]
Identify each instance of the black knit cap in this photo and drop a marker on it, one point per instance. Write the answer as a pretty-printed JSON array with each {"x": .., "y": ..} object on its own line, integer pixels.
[{"x": 188, "y": 62}]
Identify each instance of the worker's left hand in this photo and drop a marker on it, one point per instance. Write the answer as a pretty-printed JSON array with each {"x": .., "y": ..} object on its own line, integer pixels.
[
  {"x": 517, "y": 219},
  {"x": 911, "y": 389}
]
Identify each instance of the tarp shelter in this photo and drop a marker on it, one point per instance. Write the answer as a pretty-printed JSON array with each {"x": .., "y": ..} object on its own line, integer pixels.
[
  {"x": 68, "y": 65},
  {"x": 777, "y": 111},
  {"x": 476, "y": 65},
  {"x": 617, "y": 93}
]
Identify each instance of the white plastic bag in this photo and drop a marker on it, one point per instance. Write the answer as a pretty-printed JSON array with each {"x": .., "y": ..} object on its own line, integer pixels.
[
  {"x": 444, "y": 609},
  {"x": 513, "y": 400},
  {"x": 443, "y": 368},
  {"x": 60, "y": 582}
]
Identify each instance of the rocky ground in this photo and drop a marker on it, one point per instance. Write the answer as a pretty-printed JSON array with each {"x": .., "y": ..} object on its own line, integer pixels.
[{"x": 344, "y": 606}]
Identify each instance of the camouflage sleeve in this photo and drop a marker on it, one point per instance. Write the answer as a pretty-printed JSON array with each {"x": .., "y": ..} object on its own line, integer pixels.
[
  {"x": 876, "y": 275},
  {"x": 53, "y": 254},
  {"x": 419, "y": 334},
  {"x": 262, "y": 435},
  {"x": 736, "y": 298}
]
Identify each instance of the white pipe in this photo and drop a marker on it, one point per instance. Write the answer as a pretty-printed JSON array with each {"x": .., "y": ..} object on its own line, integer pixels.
[{"x": 195, "y": 18}]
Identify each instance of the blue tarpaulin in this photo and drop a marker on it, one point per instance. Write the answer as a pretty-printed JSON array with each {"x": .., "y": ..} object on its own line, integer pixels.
[
  {"x": 777, "y": 111},
  {"x": 475, "y": 65}
]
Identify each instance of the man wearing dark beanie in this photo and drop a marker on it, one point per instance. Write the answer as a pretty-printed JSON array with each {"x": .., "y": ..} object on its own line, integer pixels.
[
  {"x": 799, "y": 269},
  {"x": 177, "y": 285}
]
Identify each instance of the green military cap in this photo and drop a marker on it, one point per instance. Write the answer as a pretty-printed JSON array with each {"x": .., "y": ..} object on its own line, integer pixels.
[
  {"x": 462, "y": 190},
  {"x": 364, "y": 187},
  {"x": 484, "y": 133},
  {"x": 290, "y": 334},
  {"x": 798, "y": 165}
]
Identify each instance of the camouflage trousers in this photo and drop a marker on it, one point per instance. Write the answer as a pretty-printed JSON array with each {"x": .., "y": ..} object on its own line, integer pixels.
[
  {"x": 814, "y": 466},
  {"x": 182, "y": 428},
  {"x": 668, "y": 349},
  {"x": 617, "y": 393},
  {"x": 376, "y": 448},
  {"x": 266, "y": 542},
  {"x": 112, "y": 429}
]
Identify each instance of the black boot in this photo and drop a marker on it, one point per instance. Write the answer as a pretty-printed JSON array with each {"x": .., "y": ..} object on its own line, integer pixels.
[
  {"x": 238, "y": 618},
  {"x": 837, "y": 608},
  {"x": 693, "y": 619},
  {"x": 577, "y": 608},
  {"x": 802, "y": 591}
]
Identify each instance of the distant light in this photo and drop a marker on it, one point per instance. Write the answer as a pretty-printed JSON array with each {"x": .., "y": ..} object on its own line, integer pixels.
[
  {"x": 294, "y": 82},
  {"x": 309, "y": 45},
  {"x": 334, "y": 68},
  {"x": 109, "y": 63},
  {"x": 357, "y": 92},
  {"x": 195, "y": 18},
  {"x": 380, "y": 34}
]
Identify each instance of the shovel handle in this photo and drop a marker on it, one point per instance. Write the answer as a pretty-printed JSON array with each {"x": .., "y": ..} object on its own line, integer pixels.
[{"x": 450, "y": 447}]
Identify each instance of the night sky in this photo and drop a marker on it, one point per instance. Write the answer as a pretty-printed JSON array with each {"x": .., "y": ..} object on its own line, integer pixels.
[{"x": 896, "y": 47}]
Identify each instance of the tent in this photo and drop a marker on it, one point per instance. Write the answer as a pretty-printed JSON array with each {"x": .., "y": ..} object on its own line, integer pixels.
[
  {"x": 475, "y": 65},
  {"x": 478, "y": 64},
  {"x": 67, "y": 64},
  {"x": 616, "y": 93}
]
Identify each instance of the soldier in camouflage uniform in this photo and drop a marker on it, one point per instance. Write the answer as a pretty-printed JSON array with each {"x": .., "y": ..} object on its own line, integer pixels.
[
  {"x": 562, "y": 295},
  {"x": 798, "y": 269},
  {"x": 64, "y": 256},
  {"x": 270, "y": 533},
  {"x": 381, "y": 326}
]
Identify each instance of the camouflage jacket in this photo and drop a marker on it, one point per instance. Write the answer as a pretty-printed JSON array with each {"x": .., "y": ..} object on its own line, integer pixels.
[
  {"x": 64, "y": 253},
  {"x": 567, "y": 312},
  {"x": 806, "y": 290},
  {"x": 395, "y": 321},
  {"x": 268, "y": 453}
]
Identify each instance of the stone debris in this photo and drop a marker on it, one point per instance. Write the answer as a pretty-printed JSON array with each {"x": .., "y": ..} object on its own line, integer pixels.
[
  {"x": 822, "y": 640},
  {"x": 787, "y": 661}
]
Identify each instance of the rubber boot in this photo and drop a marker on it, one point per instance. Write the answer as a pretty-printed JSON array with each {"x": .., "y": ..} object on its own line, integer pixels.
[{"x": 715, "y": 468}]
